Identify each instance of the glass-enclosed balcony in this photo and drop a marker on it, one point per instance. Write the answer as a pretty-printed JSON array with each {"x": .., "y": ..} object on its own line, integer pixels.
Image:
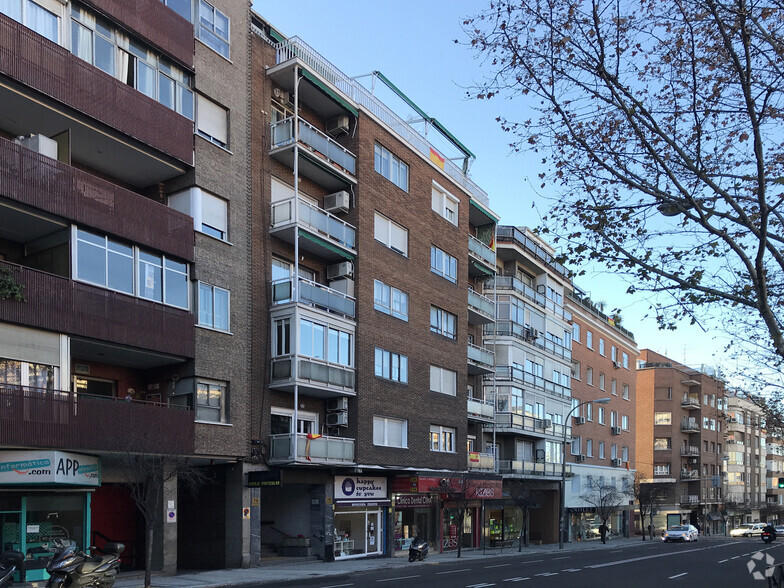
[
  {"x": 324, "y": 234},
  {"x": 311, "y": 451},
  {"x": 481, "y": 309},
  {"x": 480, "y": 360},
  {"x": 529, "y": 335},
  {"x": 509, "y": 373},
  {"x": 481, "y": 461},
  {"x": 315, "y": 377},
  {"x": 512, "y": 422},
  {"x": 532, "y": 468},
  {"x": 315, "y": 295},
  {"x": 480, "y": 410},
  {"x": 322, "y": 159},
  {"x": 482, "y": 258}
]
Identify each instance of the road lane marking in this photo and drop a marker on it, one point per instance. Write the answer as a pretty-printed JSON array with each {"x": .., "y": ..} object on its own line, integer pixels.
[
  {"x": 516, "y": 579},
  {"x": 617, "y": 551},
  {"x": 677, "y": 576},
  {"x": 547, "y": 574},
  {"x": 571, "y": 570},
  {"x": 531, "y": 561},
  {"x": 557, "y": 558},
  {"x": 497, "y": 566},
  {"x": 724, "y": 561},
  {"x": 635, "y": 559},
  {"x": 454, "y": 571},
  {"x": 338, "y": 586},
  {"x": 399, "y": 578},
  {"x": 479, "y": 585}
]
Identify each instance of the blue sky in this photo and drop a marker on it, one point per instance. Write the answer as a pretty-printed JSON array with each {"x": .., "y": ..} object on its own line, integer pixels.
[{"x": 411, "y": 43}]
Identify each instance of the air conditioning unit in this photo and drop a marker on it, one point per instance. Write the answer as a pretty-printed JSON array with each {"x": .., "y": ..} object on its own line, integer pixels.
[
  {"x": 40, "y": 144},
  {"x": 579, "y": 420},
  {"x": 337, "y": 419},
  {"x": 344, "y": 286},
  {"x": 337, "y": 202},
  {"x": 344, "y": 269},
  {"x": 579, "y": 458},
  {"x": 616, "y": 462},
  {"x": 337, "y": 404},
  {"x": 616, "y": 430},
  {"x": 545, "y": 423},
  {"x": 338, "y": 126},
  {"x": 616, "y": 365},
  {"x": 281, "y": 95}
]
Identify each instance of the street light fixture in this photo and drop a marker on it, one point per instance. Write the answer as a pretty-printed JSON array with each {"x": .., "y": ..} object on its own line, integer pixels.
[{"x": 561, "y": 513}]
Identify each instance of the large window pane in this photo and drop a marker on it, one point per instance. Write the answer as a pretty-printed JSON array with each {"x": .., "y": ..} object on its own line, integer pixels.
[
  {"x": 104, "y": 54},
  {"x": 146, "y": 79},
  {"x": 91, "y": 262},
  {"x": 221, "y": 309},
  {"x": 81, "y": 42},
  {"x": 176, "y": 284},
  {"x": 120, "y": 259},
  {"x": 166, "y": 91},
  {"x": 41, "y": 21},
  {"x": 150, "y": 276}
]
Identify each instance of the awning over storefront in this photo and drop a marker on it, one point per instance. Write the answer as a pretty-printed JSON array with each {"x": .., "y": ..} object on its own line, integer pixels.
[{"x": 28, "y": 467}]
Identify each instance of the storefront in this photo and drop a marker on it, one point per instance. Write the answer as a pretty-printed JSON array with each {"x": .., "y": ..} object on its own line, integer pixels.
[
  {"x": 584, "y": 523},
  {"x": 45, "y": 501},
  {"x": 413, "y": 515},
  {"x": 360, "y": 503}
]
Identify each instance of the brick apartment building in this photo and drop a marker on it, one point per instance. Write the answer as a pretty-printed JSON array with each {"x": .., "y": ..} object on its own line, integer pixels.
[
  {"x": 680, "y": 440},
  {"x": 124, "y": 216},
  {"x": 604, "y": 356}
]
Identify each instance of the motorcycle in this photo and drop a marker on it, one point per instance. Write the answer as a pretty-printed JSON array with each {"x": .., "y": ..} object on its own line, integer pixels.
[
  {"x": 9, "y": 562},
  {"x": 768, "y": 537},
  {"x": 75, "y": 569},
  {"x": 418, "y": 549}
]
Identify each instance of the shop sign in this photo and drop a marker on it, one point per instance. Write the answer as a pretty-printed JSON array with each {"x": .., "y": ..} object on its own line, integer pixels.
[
  {"x": 49, "y": 467},
  {"x": 413, "y": 501},
  {"x": 360, "y": 488},
  {"x": 263, "y": 479}
]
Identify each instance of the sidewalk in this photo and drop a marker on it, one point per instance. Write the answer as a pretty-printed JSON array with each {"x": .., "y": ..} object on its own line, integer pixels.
[{"x": 294, "y": 569}]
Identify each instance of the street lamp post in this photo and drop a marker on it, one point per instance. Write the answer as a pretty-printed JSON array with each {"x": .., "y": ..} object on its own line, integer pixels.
[{"x": 561, "y": 513}]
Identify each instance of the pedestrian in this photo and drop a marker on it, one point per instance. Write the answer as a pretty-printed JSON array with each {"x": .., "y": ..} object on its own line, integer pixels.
[{"x": 603, "y": 532}]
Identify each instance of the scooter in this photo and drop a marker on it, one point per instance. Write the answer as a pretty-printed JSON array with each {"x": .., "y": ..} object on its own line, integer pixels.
[
  {"x": 768, "y": 537},
  {"x": 75, "y": 569},
  {"x": 9, "y": 562},
  {"x": 418, "y": 549}
]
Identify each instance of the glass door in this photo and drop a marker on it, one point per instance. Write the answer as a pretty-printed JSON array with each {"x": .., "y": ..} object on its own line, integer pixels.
[{"x": 373, "y": 529}]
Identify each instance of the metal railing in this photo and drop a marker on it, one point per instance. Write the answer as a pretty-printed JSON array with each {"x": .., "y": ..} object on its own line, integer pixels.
[
  {"x": 534, "y": 468},
  {"x": 512, "y": 329},
  {"x": 481, "y": 408},
  {"x": 314, "y": 294},
  {"x": 297, "y": 48},
  {"x": 513, "y": 420},
  {"x": 314, "y": 371},
  {"x": 481, "y": 250},
  {"x": 481, "y": 356},
  {"x": 689, "y": 450},
  {"x": 690, "y": 425},
  {"x": 690, "y": 475},
  {"x": 516, "y": 374},
  {"x": 690, "y": 401},
  {"x": 331, "y": 150},
  {"x": 507, "y": 233},
  {"x": 481, "y": 304},
  {"x": 315, "y": 219},
  {"x": 690, "y": 499},
  {"x": 311, "y": 448},
  {"x": 481, "y": 461}
]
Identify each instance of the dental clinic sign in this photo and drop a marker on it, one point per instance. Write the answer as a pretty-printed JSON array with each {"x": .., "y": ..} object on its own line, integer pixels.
[
  {"x": 360, "y": 488},
  {"x": 49, "y": 467}
]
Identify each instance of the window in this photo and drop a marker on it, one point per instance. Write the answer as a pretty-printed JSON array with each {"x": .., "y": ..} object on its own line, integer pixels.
[
  {"x": 326, "y": 343},
  {"x": 390, "y": 300},
  {"x": 213, "y": 29},
  {"x": 212, "y": 121},
  {"x": 443, "y": 322},
  {"x": 589, "y": 412},
  {"x": 213, "y": 307},
  {"x": 601, "y": 381},
  {"x": 391, "y": 234},
  {"x": 210, "y": 213},
  {"x": 553, "y": 452},
  {"x": 601, "y": 449},
  {"x": 613, "y": 451},
  {"x": 576, "y": 370},
  {"x": 92, "y": 39},
  {"x": 613, "y": 418},
  {"x": 601, "y": 346},
  {"x": 662, "y": 418},
  {"x": 390, "y": 432},
  {"x": 661, "y": 469},
  {"x": 589, "y": 376},
  {"x": 614, "y": 387},
  {"x": 713, "y": 424},
  {"x": 577, "y": 445},
  {"x": 662, "y": 443},
  {"x": 443, "y": 380},
  {"x": 281, "y": 337},
  {"x": 391, "y": 167},
  {"x": 444, "y": 204},
  {"x": 110, "y": 264},
  {"x": 626, "y": 391},
  {"x": 443, "y": 264},
  {"x": 625, "y": 453},
  {"x": 589, "y": 447},
  {"x": 589, "y": 339},
  {"x": 211, "y": 402},
  {"x": 576, "y": 332},
  {"x": 613, "y": 353},
  {"x": 33, "y": 16},
  {"x": 181, "y": 7},
  {"x": 391, "y": 366},
  {"x": 625, "y": 360},
  {"x": 442, "y": 439},
  {"x": 625, "y": 422},
  {"x": 601, "y": 415},
  {"x": 705, "y": 422}
]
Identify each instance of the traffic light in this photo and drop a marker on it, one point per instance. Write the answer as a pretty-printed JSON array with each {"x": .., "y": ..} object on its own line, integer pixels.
[{"x": 781, "y": 482}]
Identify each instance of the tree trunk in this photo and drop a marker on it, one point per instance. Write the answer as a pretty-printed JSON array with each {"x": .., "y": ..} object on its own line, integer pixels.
[
  {"x": 148, "y": 556},
  {"x": 527, "y": 526},
  {"x": 642, "y": 523},
  {"x": 460, "y": 518}
]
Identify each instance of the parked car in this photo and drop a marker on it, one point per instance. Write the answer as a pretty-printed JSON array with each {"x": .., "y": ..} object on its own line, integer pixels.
[
  {"x": 748, "y": 530},
  {"x": 686, "y": 533},
  {"x": 779, "y": 530}
]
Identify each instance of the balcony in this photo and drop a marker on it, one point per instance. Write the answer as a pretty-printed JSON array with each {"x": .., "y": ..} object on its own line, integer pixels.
[
  {"x": 513, "y": 235},
  {"x": 324, "y": 234},
  {"x": 322, "y": 159},
  {"x": 482, "y": 258},
  {"x": 512, "y": 422},
  {"x": 690, "y": 426},
  {"x": 59, "y": 91},
  {"x": 690, "y": 475},
  {"x": 314, "y": 295},
  {"x": 58, "y": 419},
  {"x": 533, "y": 468},
  {"x": 480, "y": 360},
  {"x": 690, "y": 402},
  {"x": 507, "y": 373},
  {"x": 481, "y": 461},
  {"x": 507, "y": 283},
  {"x": 528, "y": 335},
  {"x": 690, "y": 451},
  {"x": 62, "y": 305},
  {"x": 690, "y": 499},
  {"x": 481, "y": 309},
  {"x": 480, "y": 410},
  {"x": 315, "y": 377},
  {"x": 319, "y": 451}
]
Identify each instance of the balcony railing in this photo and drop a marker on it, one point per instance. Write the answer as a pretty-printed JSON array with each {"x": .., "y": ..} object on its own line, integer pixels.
[
  {"x": 515, "y": 235},
  {"x": 59, "y": 419},
  {"x": 329, "y": 149},
  {"x": 690, "y": 475},
  {"x": 508, "y": 373},
  {"x": 316, "y": 220},
  {"x": 690, "y": 402},
  {"x": 690, "y": 450},
  {"x": 690, "y": 499},
  {"x": 513, "y": 329},
  {"x": 513, "y": 421},
  {"x": 480, "y": 358},
  {"x": 481, "y": 309},
  {"x": 690, "y": 425},
  {"x": 480, "y": 409},
  {"x": 315, "y": 295},
  {"x": 318, "y": 450},
  {"x": 481, "y": 461},
  {"x": 313, "y": 373},
  {"x": 481, "y": 251},
  {"x": 532, "y": 468}
]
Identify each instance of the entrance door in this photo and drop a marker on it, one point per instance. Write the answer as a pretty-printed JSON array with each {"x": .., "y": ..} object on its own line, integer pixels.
[{"x": 373, "y": 531}]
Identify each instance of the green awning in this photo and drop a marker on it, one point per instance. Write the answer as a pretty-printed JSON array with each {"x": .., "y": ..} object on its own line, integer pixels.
[
  {"x": 485, "y": 211},
  {"x": 481, "y": 268},
  {"x": 326, "y": 244},
  {"x": 326, "y": 90}
]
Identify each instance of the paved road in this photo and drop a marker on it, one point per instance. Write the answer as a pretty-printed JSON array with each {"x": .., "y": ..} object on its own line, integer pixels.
[{"x": 715, "y": 562}]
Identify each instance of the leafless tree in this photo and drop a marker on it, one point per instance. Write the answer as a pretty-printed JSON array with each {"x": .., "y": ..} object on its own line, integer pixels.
[
  {"x": 659, "y": 125},
  {"x": 525, "y": 498},
  {"x": 648, "y": 495},
  {"x": 462, "y": 492},
  {"x": 605, "y": 496}
]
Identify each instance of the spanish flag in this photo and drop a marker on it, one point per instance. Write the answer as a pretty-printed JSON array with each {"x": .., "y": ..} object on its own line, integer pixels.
[
  {"x": 309, "y": 437},
  {"x": 436, "y": 158}
]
